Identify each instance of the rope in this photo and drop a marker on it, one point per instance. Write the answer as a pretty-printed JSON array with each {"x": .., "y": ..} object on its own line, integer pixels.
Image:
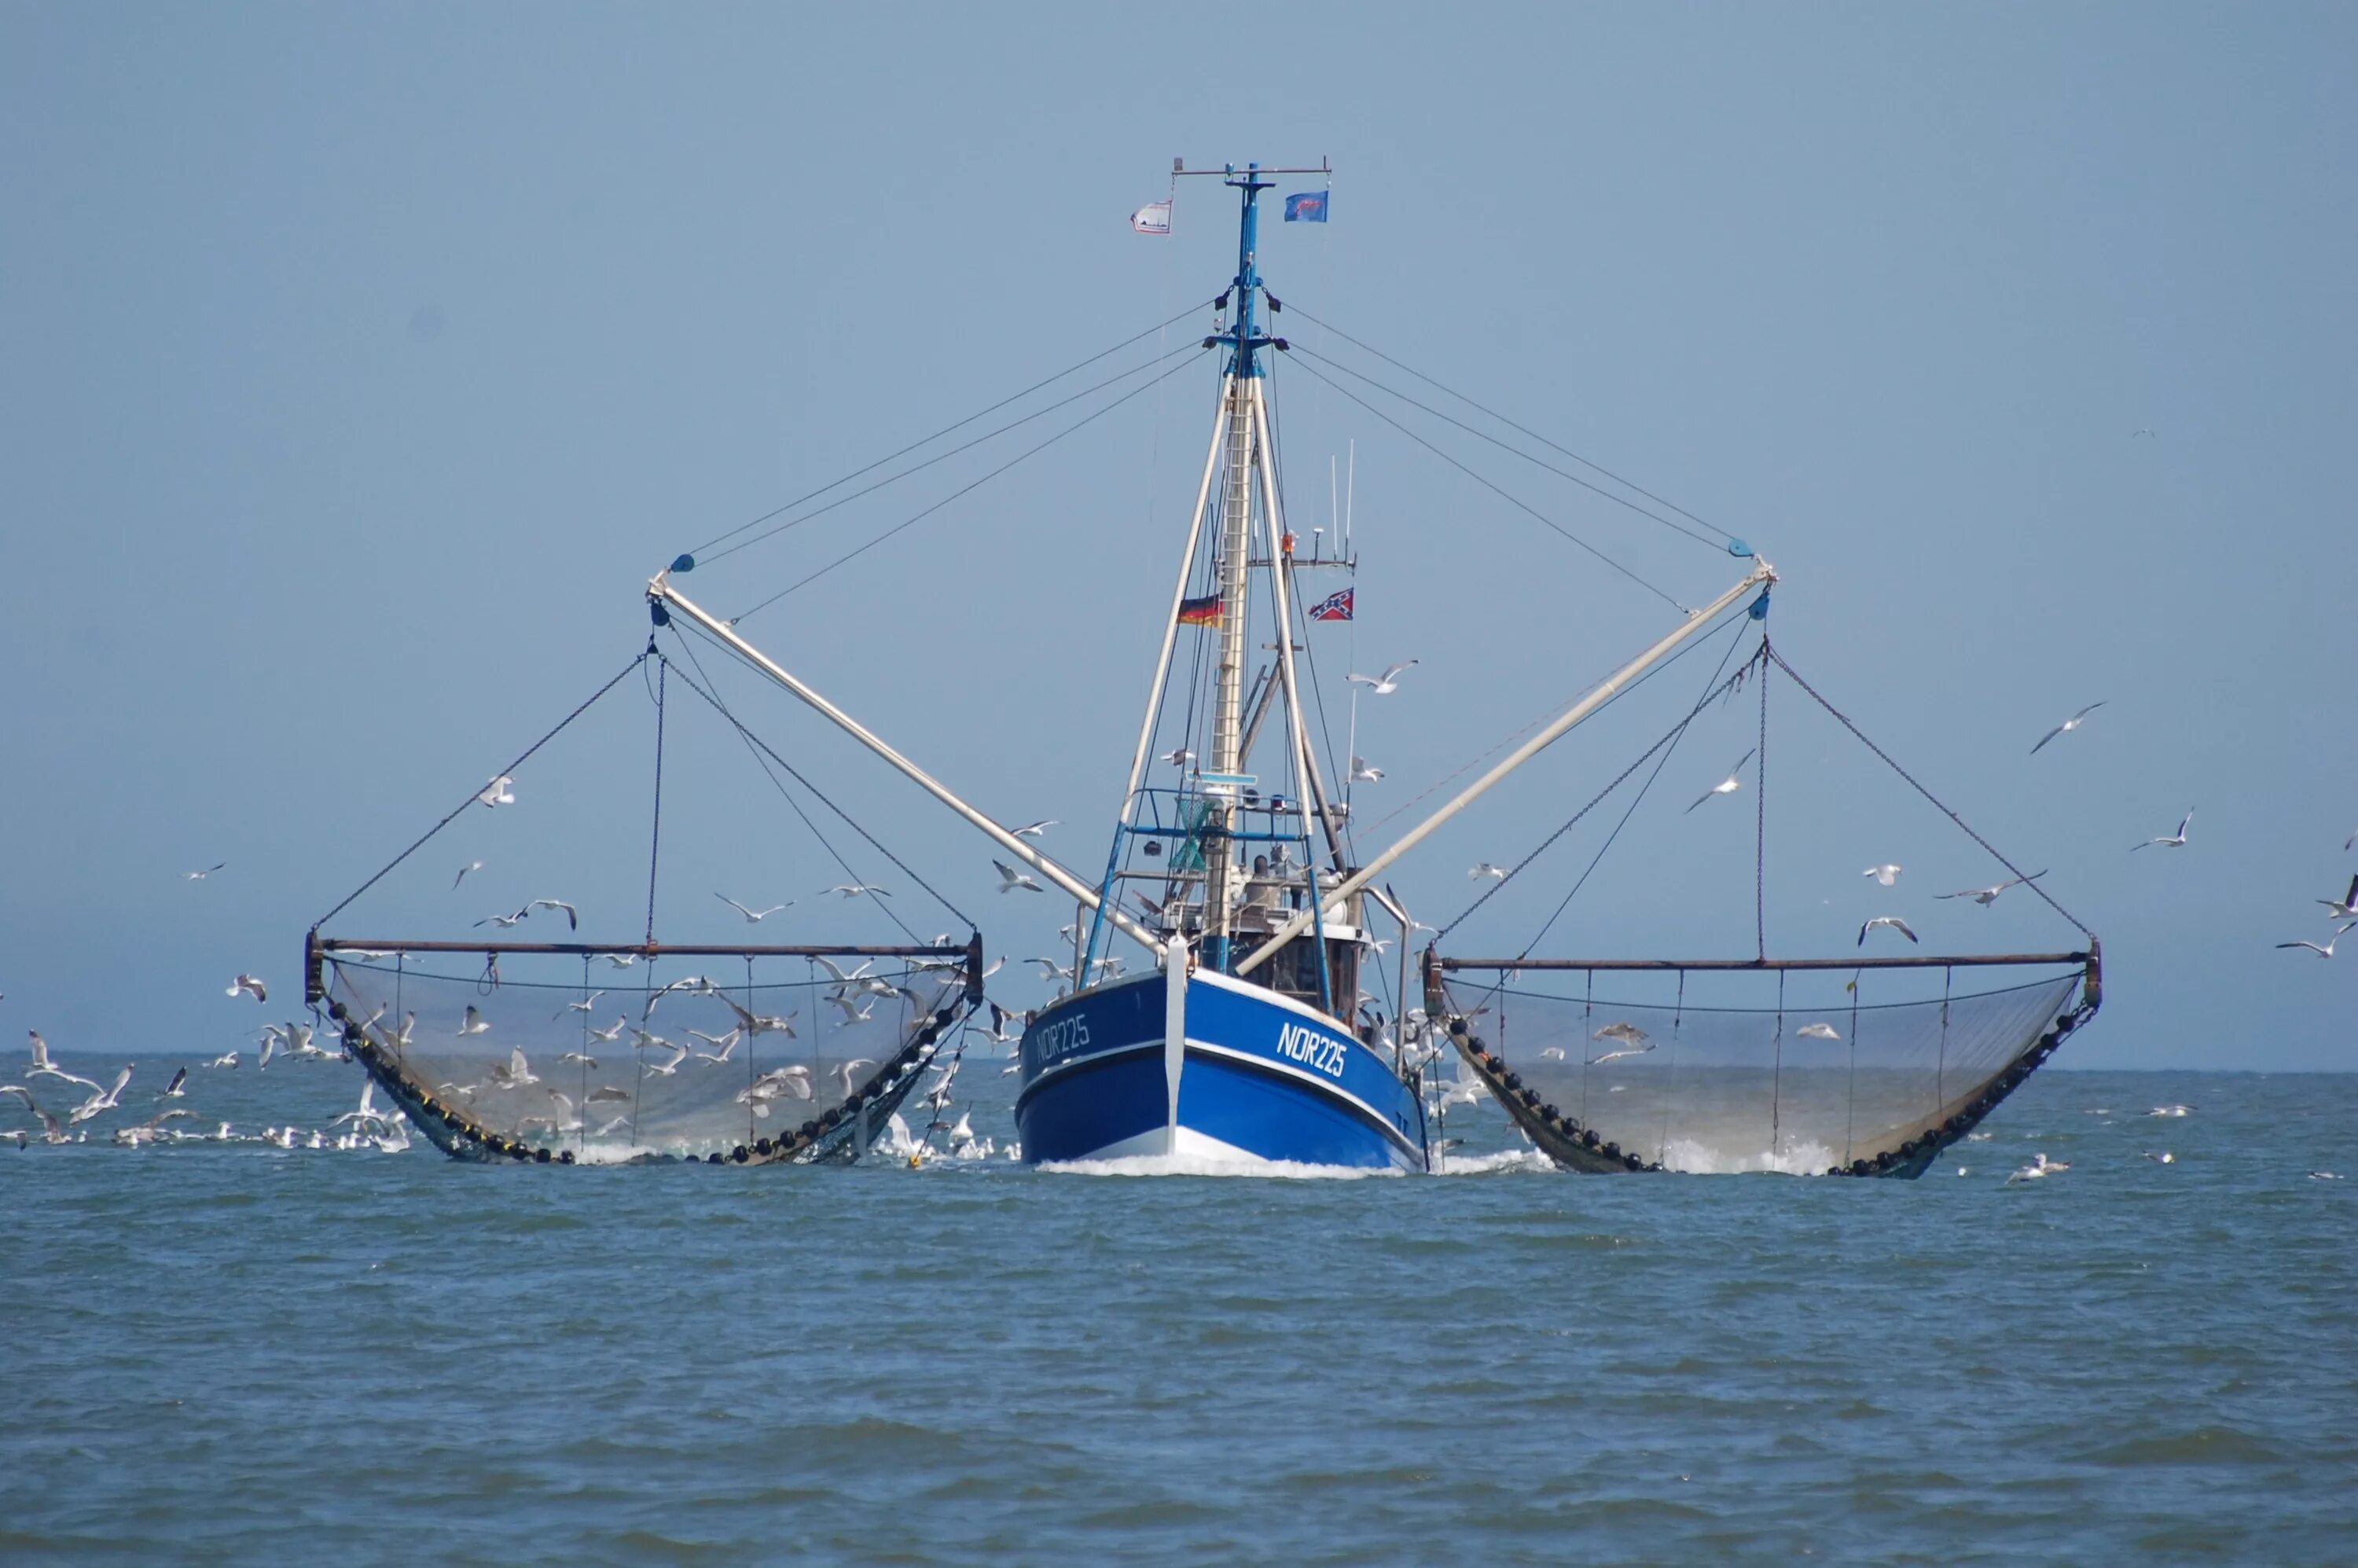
[
  {"x": 1713, "y": 689},
  {"x": 976, "y": 484},
  {"x": 1885, "y": 757},
  {"x": 1595, "y": 801},
  {"x": 1761, "y": 822},
  {"x": 654, "y": 834},
  {"x": 1502, "y": 419},
  {"x": 762, "y": 749},
  {"x": 1715, "y": 546},
  {"x": 471, "y": 799},
  {"x": 946, "y": 429},
  {"x": 1494, "y": 488}
]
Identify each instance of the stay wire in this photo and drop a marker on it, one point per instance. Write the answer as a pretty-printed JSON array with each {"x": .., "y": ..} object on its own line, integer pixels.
[
  {"x": 655, "y": 835},
  {"x": 1715, "y": 687},
  {"x": 1497, "y": 489},
  {"x": 461, "y": 806},
  {"x": 1710, "y": 691},
  {"x": 1715, "y": 546},
  {"x": 765, "y": 750},
  {"x": 948, "y": 429},
  {"x": 1885, "y": 757},
  {"x": 1521, "y": 429},
  {"x": 976, "y": 484}
]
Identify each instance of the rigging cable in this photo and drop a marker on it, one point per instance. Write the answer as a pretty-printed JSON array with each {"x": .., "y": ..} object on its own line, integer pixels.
[
  {"x": 976, "y": 484},
  {"x": 1497, "y": 489},
  {"x": 1675, "y": 731},
  {"x": 655, "y": 835},
  {"x": 945, "y": 431},
  {"x": 1534, "y": 435},
  {"x": 1844, "y": 721},
  {"x": 471, "y": 799},
  {"x": 762, "y": 749}
]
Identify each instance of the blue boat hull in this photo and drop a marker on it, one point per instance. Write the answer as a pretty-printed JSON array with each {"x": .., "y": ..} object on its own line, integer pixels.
[{"x": 1261, "y": 1078}]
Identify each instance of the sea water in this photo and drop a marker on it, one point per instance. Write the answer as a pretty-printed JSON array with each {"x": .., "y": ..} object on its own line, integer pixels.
[{"x": 228, "y": 1351}]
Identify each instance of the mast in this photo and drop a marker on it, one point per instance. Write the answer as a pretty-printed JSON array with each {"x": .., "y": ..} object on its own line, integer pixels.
[{"x": 1238, "y": 395}]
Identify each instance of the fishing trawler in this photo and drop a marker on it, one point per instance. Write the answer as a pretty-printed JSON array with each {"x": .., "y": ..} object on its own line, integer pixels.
[{"x": 1217, "y": 998}]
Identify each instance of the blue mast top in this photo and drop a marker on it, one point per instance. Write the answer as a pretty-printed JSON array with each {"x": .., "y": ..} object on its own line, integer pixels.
[{"x": 1244, "y": 361}]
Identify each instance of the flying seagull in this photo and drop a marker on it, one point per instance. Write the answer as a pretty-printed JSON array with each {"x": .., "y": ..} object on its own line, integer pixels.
[
  {"x": 1385, "y": 683},
  {"x": 1886, "y": 875},
  {"x": 1033, "y": 829},
  {"x": 2325, "y": 952},
  {"x": 1988, "y": 895},
  {"x": 2177, "y": 841},
  {"x": 1485, "y": 868},
  {"x": 1010, "y": 879},
  {"x": 175, "y": 1089},
  {"x": 1616, "y": 1055},
  {"x": 499, "y": 792},
  {"x": 463, "y": 871},
  {"x": 475, "y": 1023},
  {"x": 1818, "y": 1032},
  {"x": 249, "y": 985},
  {"x": 1629, "y": 1034},
  {"x": 1365, "y": 772},
  {"x": 582, "y": 1006},
  {"x": 2346, "y": 907},
  {"x": 1180, "y": 758},
  {"x": 753, "y": 916},
  {"x": 2067, "y": 726},
  {"x": 505, "y": 921},
  {"x": 200, "y": 876},
  {"x": 572, "y": 917},
  {"x": 1893, "y": 920},
  {"x": 1727, "y": 785},
  {"x": 853, "y": 890},
  {"x": 2040, "y": 1165}
]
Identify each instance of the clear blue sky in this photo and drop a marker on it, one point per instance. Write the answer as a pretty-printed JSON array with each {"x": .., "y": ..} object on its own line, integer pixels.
[{"x": 362, "y": 361}]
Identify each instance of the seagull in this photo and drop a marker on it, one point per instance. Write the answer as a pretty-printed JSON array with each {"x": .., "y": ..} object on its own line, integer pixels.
[
  {"x": 755, "y": 1024},
  {"x": 1464, "y": 1091},
  {"x": 722, "y": 1045},
  {"x": 852, "y": 1015},
  {"x": 42, "y": 1062},
  {"x": 1049, "y": 969},
  {"x": 2067, "y": 726},
  {"x": 1727, "y": 785},
  {"x": 499, "y": 792},
  {"x": 249, "y": 984},
  {"x": 463, "y": 870},
  {"x": 684, "y": 983},
  {"x": 2146, "y": 430},
  {"x": 1033, "y": 829},
  {"x": 100, "y": 1101},
  {"x": 1485, "y": 868},
  {"x": 588, "y": 1063},
  {"x": 1010, "y": 879},
  {"x": 1988, "y": 895},
  {"x": 582, "y": 1006},
  {"x": 1553, "y": 1054},
  {"x": 505, "y": 921},
  {"x": 1616, "y": 1055},
  {"x": 50, "y": 1132},
  {"x": 476, "y": 1023},
  {"x": 1365, "y": 772},
  {"x": 2177, "y": 841},
  {"x": 1893, "y": 920},
  {"x": 226, "y": 1059},
  {"x": 753, "y": 916},
  {"x": 1886, "y": 875},
  {"x": 606, "y": 1093},
  {"x": 1629, "y": 1034},
  {"x": 1818, "y": 1032},
  {"x": 1383, "y": 685},
  {"x": 845, "y": 1069},
  {"x": 200, "y": 876},
  {"x": 367, "y": 1111},
  {"x": 514, "y": 1073},
  {"x": 2164, "y": 1158},
  {"x": 853, "y": 890},
  {"x": 2346, "y": 908},
  {"x": 2313, "y": 1175},
  {"x": 1180, "y": 758},
  {"x": 572, "y": 918},
  {"x": 2040, "y": 1165},
  {"x": 2171, "y": 1110},
  {"x": 175, "y": 1089},
  {"x": 2325, "y": 952},
  {"x": 621, "y": 961}
]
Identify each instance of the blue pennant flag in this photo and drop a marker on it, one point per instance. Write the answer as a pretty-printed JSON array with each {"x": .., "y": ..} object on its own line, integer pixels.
[{"x": 1309, "y": 206}]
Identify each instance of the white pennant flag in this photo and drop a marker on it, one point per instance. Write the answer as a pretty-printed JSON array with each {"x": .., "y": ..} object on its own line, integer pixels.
[{"x": 1155, "y": 218}]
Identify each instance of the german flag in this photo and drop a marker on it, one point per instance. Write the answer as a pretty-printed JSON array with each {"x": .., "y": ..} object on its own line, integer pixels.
[{"x": 1204, "y": 611}]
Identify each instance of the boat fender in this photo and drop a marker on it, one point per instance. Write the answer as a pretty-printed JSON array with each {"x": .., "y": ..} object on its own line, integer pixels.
[
  {"x": 739, "y": 1154},
  {"x": 540, "y": 1156},
  {"x": 1514, "y": 1081}
]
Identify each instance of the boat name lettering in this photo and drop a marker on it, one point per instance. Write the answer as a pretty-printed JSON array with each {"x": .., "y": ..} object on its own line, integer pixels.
[
  {"x": 1319, "y": 1052},
  {"x": 1062, "y": 1038}
]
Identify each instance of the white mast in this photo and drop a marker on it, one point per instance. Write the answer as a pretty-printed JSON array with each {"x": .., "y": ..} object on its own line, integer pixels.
[{"x": 1227, "y": 718}]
